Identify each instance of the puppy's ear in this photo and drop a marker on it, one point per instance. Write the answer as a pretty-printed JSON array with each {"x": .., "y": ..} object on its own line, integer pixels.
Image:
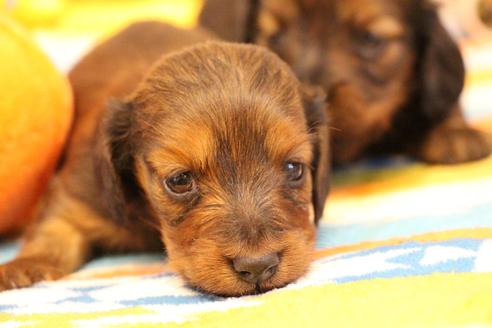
[
  {"x": 254, "y": 21},
  {"x": 440, "y": 66},
  {"x": 116, "y": 165},
  {"x": 314, "y": 101},
  {"x": 272, "y": 17},
  {"x": 231, "y": 20}
]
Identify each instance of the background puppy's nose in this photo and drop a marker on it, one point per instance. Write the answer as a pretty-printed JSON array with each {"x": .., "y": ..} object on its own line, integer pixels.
[{"x": 256, "y": 269}]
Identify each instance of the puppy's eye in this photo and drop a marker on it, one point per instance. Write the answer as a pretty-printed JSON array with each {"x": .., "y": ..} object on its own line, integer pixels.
[
  {"x": 371, "y": 39},
  {"x": 370, "y": 45},
  {"x": 180, "y": 183},
  {"x": 294, "y": 171}
]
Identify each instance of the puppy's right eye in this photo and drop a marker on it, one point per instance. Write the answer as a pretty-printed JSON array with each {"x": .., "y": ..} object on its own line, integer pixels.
[
  {"x": 180, "y": 183},
  {"x": 294, "y": 170}
]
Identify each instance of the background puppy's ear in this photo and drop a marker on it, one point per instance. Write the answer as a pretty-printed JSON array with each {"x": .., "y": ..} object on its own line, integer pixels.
[
  {"x": 231, "y": 20},
  {"x": 116, "y": 165},
  {"x": 440, "y": 66},
  {"x": 272, "y": 16},
  {"x": 252, "y": 21},
  {"x": 314, "y": 101}
]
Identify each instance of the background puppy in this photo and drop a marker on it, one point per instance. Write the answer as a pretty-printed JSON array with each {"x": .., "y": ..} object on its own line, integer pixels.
[
  {"x": 218, "y": 154},
  {"x": 392, "y": 72}
]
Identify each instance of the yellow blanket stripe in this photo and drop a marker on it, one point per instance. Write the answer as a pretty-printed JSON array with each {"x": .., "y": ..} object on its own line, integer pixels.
[{"x": 65, "y": 320}]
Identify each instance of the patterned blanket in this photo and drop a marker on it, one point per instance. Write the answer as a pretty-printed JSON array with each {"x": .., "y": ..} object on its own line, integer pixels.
[{"x": 402, "y": 244}]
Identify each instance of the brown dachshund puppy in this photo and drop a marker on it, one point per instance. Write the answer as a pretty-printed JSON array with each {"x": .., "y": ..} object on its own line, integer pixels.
[
  {"x": 392, "y": 72},
  {"x": 218, "y": 154}
]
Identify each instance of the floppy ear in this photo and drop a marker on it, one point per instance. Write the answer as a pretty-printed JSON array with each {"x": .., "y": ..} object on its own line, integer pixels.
[
  {"x": 231, "y": 20},
  {"x": 314, "y": 101},
  {"x": 115, "y": 166},
  {"x": 272, "y": 16},
  {"x": 247, "y": 20},
  {"x": 440, "y": 66}
]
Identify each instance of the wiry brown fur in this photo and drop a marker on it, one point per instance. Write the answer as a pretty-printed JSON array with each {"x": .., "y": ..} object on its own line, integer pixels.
[
  {"x": 230, "y": 114},
  {"x": 392, "y": 73}
]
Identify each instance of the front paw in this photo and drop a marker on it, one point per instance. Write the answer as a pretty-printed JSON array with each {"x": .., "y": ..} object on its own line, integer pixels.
[
  {"x": 24, "y": 272},
  {"x": 452, "y": 146}
]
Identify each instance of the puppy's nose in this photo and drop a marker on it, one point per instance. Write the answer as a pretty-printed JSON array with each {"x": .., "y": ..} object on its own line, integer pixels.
[{"x": 256, "y": 269}]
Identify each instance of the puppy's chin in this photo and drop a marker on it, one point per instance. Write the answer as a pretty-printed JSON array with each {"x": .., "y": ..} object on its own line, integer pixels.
[{"x": 207, "y": 266}]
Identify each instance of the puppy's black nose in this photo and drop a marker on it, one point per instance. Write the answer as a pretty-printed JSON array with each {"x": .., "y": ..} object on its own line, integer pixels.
[{"x": 256, "y": 269}]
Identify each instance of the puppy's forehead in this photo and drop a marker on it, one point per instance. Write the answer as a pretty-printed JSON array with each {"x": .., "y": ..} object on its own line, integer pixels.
[
  {"x": 363, "y": 11},
  {"x": 237, "y": 100},
  {"x": 380, "y": 16},
  {"x": 245, "y": 133}
]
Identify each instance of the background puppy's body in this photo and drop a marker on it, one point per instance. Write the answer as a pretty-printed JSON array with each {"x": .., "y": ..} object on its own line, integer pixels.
[
  {"x": 211, "y": 114},
  {"x": 392, "y": 72}
]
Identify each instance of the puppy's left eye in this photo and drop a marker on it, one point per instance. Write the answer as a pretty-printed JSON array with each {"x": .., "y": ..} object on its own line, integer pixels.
[
  {"x": 369, "y": 44},
  {"x": 371, "y": 39},
  {"x": 180, "y": 183},
  {"x": 294, "y": 171}
]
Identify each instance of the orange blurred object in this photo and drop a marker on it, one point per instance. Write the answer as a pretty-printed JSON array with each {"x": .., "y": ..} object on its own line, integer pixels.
[{"x": 35, "y": 117}]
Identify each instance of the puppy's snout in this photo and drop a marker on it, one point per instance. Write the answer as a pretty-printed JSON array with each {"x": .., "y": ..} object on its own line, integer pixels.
[{"x": 256, "y": 269}]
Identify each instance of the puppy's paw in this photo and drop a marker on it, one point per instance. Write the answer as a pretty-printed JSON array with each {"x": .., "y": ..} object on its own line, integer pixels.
[
  {"x": 25, "y": 272},
  {"x": 452, "y": 146}
]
